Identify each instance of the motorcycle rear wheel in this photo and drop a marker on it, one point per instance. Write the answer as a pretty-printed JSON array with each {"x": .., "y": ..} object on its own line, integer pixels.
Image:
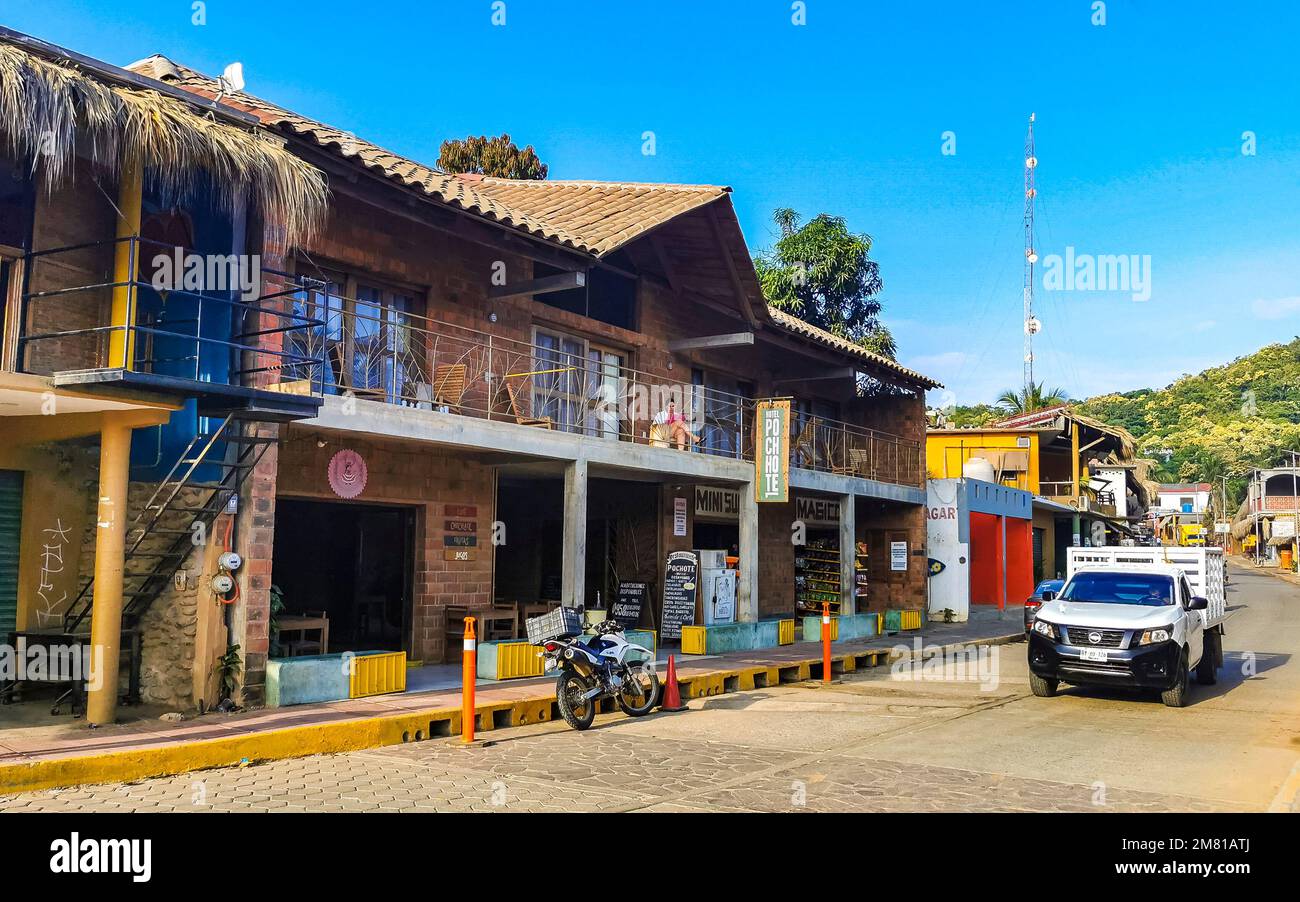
[
  {"x": 647, "y": 681},
  {"x": 576, "y": 711}
]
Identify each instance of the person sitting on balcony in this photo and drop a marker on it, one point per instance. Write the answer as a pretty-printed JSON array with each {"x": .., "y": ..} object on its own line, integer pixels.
[{"x": 675, "y": 421}]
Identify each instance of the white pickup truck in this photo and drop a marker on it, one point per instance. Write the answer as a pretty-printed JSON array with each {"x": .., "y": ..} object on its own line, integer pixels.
[{"x": 1138, "y": 617}]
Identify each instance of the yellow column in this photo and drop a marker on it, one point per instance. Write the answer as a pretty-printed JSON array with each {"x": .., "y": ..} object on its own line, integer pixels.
[
  {"x": 121, "y": 341},
  {"x": 110, "y": 541}
]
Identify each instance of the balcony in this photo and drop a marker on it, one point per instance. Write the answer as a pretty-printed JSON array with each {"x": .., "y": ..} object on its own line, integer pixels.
[
  {"x": 333, "y": 345},
  {"x": 84, "y": 328}
]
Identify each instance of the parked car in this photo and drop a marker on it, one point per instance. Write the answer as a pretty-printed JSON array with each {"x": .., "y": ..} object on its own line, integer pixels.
[
  {"x": 1144, "y": 619},
  {"x": 1035, "y": 601}
]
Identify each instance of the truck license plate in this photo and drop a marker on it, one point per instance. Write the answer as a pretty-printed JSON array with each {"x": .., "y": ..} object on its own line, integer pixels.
[{"x": 1093, "y": 654}]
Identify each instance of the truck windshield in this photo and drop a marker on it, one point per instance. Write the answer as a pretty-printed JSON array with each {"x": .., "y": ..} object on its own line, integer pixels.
[{"x": 1120, "y": 588}]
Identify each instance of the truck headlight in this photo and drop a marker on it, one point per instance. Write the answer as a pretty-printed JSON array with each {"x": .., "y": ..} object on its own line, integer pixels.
[
  {"x": 1150, "y": 637},
  {"x": 1044, "y": 628}
]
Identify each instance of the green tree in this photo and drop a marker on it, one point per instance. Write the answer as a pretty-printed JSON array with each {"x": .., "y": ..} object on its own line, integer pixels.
[
  {"x": 823, "y": 274},
  {"x": 1223, "y": 421},
  {"x": 1030, "y": 399},
  {"x": 498, "y": 157}
]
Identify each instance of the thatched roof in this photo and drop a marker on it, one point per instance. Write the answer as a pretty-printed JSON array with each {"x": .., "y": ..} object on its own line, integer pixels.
[{"x": 50, "y": 107}]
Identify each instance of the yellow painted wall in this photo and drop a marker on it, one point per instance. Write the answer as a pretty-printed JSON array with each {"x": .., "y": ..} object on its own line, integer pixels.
[
  {"x": 947, "y": 450},
  {"x": 1046, "y": 521},
  {"x": 55, "y": 515}
]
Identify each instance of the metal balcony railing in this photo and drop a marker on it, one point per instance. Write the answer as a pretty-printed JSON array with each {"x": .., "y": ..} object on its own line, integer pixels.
[
  {"x": 78, "y": 316},
  {"x": 339, "y": 345},
  {"x": 834, "y": 446},
  {"x": 380, "y": 353}
]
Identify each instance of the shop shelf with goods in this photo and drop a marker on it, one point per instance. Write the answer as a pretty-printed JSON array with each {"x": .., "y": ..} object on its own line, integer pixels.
[{"x": 817, "y": 576}]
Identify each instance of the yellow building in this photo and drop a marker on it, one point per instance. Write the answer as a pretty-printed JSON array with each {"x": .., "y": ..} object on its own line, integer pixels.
[{"x": 1081, "y": 472}]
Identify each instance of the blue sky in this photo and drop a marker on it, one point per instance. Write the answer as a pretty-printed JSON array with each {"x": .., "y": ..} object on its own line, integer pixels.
[{"x": 1140, "y": 125}]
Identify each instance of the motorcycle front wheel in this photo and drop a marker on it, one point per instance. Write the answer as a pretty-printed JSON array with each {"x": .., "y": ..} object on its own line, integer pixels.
[
  {"x": 576, "y": 711},
  {"x": 639, "y": 692}
]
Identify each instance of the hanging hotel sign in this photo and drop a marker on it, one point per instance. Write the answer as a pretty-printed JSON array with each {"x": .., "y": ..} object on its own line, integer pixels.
[
  {"x": 772, "y": 451},
  {"x": 347, "y": 473}
]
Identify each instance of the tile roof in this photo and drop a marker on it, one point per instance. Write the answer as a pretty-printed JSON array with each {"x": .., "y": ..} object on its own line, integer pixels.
[
  {"x": 449, "y": 189},
  {"x": 793, "y": 324},
  {"x": 593, "y": 217},
  {"x": 607, "y": 215}
]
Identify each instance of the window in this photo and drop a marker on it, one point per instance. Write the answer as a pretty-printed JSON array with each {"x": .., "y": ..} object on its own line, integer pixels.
[
  {"x": 722, "y": 401},
  {"x": 577, "y": 383},
  {"x": 366, "y": 341}
]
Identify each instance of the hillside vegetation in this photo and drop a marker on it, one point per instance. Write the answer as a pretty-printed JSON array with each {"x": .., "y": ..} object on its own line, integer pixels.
[{"x": 1223, "y": 421}]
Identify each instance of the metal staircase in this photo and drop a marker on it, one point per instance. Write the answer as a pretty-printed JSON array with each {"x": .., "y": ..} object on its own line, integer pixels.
[{"x": 162, "y": 534}]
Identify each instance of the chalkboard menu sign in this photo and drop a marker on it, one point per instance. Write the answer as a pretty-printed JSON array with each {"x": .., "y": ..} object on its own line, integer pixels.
[
  {"x": 681, "y": 583},
  {"x": 630, "y": 601}
]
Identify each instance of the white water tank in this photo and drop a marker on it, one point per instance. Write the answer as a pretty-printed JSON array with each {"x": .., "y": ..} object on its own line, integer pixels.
[{"x": 978, "y": 468}]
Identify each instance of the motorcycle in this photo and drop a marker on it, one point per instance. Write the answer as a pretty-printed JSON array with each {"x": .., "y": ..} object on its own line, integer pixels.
[{"x": 595, "y": 667}]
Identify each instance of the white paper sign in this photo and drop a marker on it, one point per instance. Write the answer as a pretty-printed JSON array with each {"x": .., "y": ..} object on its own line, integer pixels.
[
  {"x": 679, "y": 516},
  {"x": 897, "y": 555}
]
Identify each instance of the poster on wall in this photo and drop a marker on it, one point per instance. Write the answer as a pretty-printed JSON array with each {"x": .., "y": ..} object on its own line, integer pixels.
[
  {"x": 679, "y": 516},
  {"x": 772, "y": 458},
  {"x": 347, "y": 473},
  {"x": 681, "y": 585},
  {"x": 897, "y": 555},
  {"x": 631, "y": 600}
]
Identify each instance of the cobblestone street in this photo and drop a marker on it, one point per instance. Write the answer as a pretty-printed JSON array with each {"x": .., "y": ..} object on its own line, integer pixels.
[
  {"x": 876, "y": 741},
  {"x": 617, "y": 770}
]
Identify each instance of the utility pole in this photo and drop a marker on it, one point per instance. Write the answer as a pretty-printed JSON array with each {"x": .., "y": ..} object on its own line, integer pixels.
[{"x": 1032, "y": 325}]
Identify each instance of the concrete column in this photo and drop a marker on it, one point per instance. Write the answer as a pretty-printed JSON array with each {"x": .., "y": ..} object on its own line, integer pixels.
[
  {"x": 574, "y": 563},
  {"x": 110, "y": 540},
  {"x": 848, "y": 556},
  {"x": 747, "y": 579}
]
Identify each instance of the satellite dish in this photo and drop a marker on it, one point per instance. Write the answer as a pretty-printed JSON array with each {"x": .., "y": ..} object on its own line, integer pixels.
[
  {"x": 232, "y": 79},
  {"x": 1033, "y": 326}
]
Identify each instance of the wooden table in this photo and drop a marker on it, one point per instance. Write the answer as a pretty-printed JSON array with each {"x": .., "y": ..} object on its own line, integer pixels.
[
  {"x": 494, "y": 615},
  {"x": 296, "y": 623}
]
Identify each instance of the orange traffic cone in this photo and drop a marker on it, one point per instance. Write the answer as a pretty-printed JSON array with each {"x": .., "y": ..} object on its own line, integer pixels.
[{"x": 672, "y": 698}]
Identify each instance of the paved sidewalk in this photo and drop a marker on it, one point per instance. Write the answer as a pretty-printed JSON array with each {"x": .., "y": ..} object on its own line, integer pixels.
[
  {"x": 1248, "y": 563},
  {"x": 68, "y": 753}
]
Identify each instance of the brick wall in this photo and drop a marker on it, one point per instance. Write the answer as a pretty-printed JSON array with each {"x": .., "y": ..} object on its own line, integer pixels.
[
  {"x": 74, "y": 213},
  {"x": 255, "y": 537},
  {"x": 413, "y": 476},
  {"x": 776, "y": 553},
  {"x": 880, "y": 523}
]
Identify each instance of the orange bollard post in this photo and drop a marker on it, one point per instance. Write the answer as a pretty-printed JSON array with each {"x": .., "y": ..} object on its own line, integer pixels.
[
  {"x": 469, "y": 673},
  {"x": 826, "y": 642}
]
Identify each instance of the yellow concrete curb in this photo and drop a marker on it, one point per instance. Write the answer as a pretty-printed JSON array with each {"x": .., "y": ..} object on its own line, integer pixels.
[{"x": 372, "y": 732}]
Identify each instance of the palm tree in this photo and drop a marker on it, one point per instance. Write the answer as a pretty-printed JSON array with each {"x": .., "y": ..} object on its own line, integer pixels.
[{"x": 1030, "y": 399}]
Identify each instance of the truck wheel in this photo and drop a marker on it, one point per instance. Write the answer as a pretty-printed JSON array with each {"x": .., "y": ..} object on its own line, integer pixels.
[
  {"x": 1176, "y": 695},
  {"x": 1042, "y": 687},
  {"x": 1205, "y": 671}
]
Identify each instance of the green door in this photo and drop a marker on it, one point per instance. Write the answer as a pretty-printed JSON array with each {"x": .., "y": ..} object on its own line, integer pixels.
[{"x": 11, "y": 524}]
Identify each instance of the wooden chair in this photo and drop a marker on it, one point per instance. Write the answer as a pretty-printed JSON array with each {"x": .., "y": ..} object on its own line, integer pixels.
[
  {"x": 449, "y": 385},
  {"x": 302, "y": 645},
  {"x": 859, "y": 463},
  {"x": 804, "y": 452},
  {"x": 517, "y": 412}
]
